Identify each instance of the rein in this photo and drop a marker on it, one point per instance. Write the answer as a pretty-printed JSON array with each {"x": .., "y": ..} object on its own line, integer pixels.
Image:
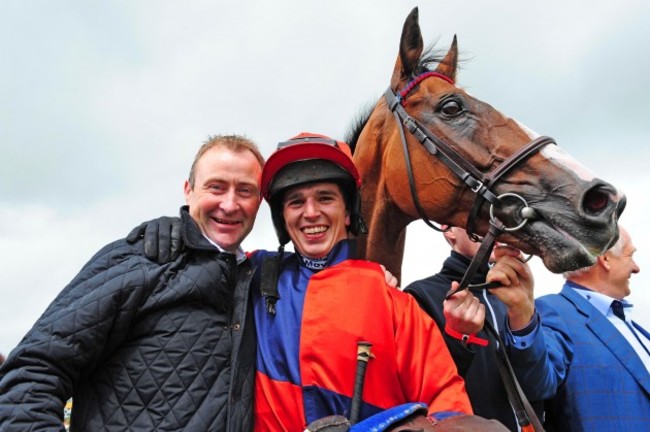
[{"x": 482, "y": 185}]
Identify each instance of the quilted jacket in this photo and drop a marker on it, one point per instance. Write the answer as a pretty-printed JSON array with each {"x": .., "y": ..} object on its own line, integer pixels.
[{"x": 140, "y": 346}]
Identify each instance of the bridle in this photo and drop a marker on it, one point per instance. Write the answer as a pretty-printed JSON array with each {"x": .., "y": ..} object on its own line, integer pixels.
[
  {"x": 482, "y": 185},
  {"x": 479, "y": 183}
]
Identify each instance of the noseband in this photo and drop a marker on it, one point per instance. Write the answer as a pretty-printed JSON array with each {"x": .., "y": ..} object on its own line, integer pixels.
[{"x": 479, "y": 183}]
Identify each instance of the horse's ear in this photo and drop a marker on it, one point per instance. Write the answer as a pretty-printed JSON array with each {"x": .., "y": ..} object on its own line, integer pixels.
[
  {"x": 449, "y": 64},
  {"x": 410, "y": 50}
]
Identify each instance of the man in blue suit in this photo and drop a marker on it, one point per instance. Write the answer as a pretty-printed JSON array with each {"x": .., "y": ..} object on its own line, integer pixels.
[{"x": 606, "y": 385}]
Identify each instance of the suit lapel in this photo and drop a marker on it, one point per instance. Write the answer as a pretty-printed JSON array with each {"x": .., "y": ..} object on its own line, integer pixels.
[{"x": 609, "y": 335}]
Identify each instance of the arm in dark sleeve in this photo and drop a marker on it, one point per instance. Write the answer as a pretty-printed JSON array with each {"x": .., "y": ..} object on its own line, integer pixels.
[
  {"x": 430, "y": 298},
  {"x": 89, "y": 318}
]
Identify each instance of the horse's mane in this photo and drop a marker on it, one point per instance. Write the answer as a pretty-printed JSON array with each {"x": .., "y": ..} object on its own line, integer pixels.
[
  {"x": 428, "y": 61},
  {"x": 356, "y": 126}
]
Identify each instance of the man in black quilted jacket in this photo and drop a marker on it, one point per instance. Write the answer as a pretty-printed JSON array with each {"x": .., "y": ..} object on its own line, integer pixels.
[{"x": 144, "y": 346}]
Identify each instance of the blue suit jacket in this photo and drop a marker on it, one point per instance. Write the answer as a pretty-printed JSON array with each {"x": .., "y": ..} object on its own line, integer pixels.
[{"x": 607, "y": 387}]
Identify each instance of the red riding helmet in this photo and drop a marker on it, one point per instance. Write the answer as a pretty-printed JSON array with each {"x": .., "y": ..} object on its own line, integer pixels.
[{"x": 310, "y": 158}]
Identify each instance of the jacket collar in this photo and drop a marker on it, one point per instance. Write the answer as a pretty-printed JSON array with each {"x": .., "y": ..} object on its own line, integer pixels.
[
  {"x": 456, "y": 264},
  {"x": 194, "y": 238},
  {"x": 339, "y": 253},
  {"x": 605, "y": 331}
]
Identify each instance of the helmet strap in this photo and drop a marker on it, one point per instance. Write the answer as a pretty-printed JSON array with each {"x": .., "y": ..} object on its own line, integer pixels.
[{"x": 271, "y": 267}]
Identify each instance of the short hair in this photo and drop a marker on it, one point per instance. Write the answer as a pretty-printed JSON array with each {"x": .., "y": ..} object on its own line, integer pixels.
[{"x": 236, "y": 143}]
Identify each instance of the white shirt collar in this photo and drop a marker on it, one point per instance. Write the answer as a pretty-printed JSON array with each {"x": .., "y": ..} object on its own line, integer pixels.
[
  {"x": 240, "y": 255},
  {"x": 601, "y": 301}
]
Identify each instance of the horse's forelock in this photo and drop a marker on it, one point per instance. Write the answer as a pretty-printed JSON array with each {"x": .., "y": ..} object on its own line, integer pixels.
[{"x": 429, "y": 60}]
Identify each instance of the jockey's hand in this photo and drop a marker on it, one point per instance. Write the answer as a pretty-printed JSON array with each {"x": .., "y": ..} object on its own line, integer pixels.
[
  {"x": 390, "y": 279},
  {"x": 162, "y": 238},
  {"x": 517, "y": 285},
  {"x": 463, "y": 312}
]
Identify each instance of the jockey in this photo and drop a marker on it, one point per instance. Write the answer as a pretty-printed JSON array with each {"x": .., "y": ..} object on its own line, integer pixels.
[{"x": 317, "y": 304}]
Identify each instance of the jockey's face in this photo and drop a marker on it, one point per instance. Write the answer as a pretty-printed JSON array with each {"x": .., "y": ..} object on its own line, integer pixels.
[{"x": 315, "y": 218}]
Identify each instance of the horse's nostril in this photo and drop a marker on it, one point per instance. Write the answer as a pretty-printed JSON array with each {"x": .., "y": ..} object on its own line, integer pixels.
[{"x": 596, "y": 200}]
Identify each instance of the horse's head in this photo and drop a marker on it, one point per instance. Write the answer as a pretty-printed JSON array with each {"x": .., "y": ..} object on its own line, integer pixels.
[{"x": 570, "y": 216}]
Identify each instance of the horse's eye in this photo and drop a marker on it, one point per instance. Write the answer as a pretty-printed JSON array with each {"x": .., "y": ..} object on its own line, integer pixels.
[{"x": 451, "y": 108}]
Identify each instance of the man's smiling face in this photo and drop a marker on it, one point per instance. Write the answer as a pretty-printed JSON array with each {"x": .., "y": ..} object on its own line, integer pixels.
[{"x": 226, "y": 195}]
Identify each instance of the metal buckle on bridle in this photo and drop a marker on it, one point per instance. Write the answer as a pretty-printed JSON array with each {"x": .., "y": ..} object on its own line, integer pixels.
[
  {"x": 526, "y": 212},
  {"x": 478, "y": 187}
]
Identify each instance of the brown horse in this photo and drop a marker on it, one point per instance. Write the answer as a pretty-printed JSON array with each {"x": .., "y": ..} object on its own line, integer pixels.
[{"x": 458, "y": 147}]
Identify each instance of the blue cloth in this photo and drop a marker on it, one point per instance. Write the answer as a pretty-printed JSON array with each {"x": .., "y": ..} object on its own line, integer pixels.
[
  {"x": 606, "y": 386},
  {"x": 379, "y": 422},
  {"x": 604, "y": 304}
]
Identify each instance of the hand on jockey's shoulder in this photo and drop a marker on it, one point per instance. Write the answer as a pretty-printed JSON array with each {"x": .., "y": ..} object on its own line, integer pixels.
[
  {"x": 162, "y": 238},
  {"x": 390, "y": 279},
  {"x": 463, "y": 312},
  {"x": 517, "y": 285}
]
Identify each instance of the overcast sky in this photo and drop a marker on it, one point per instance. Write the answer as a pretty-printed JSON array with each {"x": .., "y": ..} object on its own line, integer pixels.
[{"x": 104, "y": 104}]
